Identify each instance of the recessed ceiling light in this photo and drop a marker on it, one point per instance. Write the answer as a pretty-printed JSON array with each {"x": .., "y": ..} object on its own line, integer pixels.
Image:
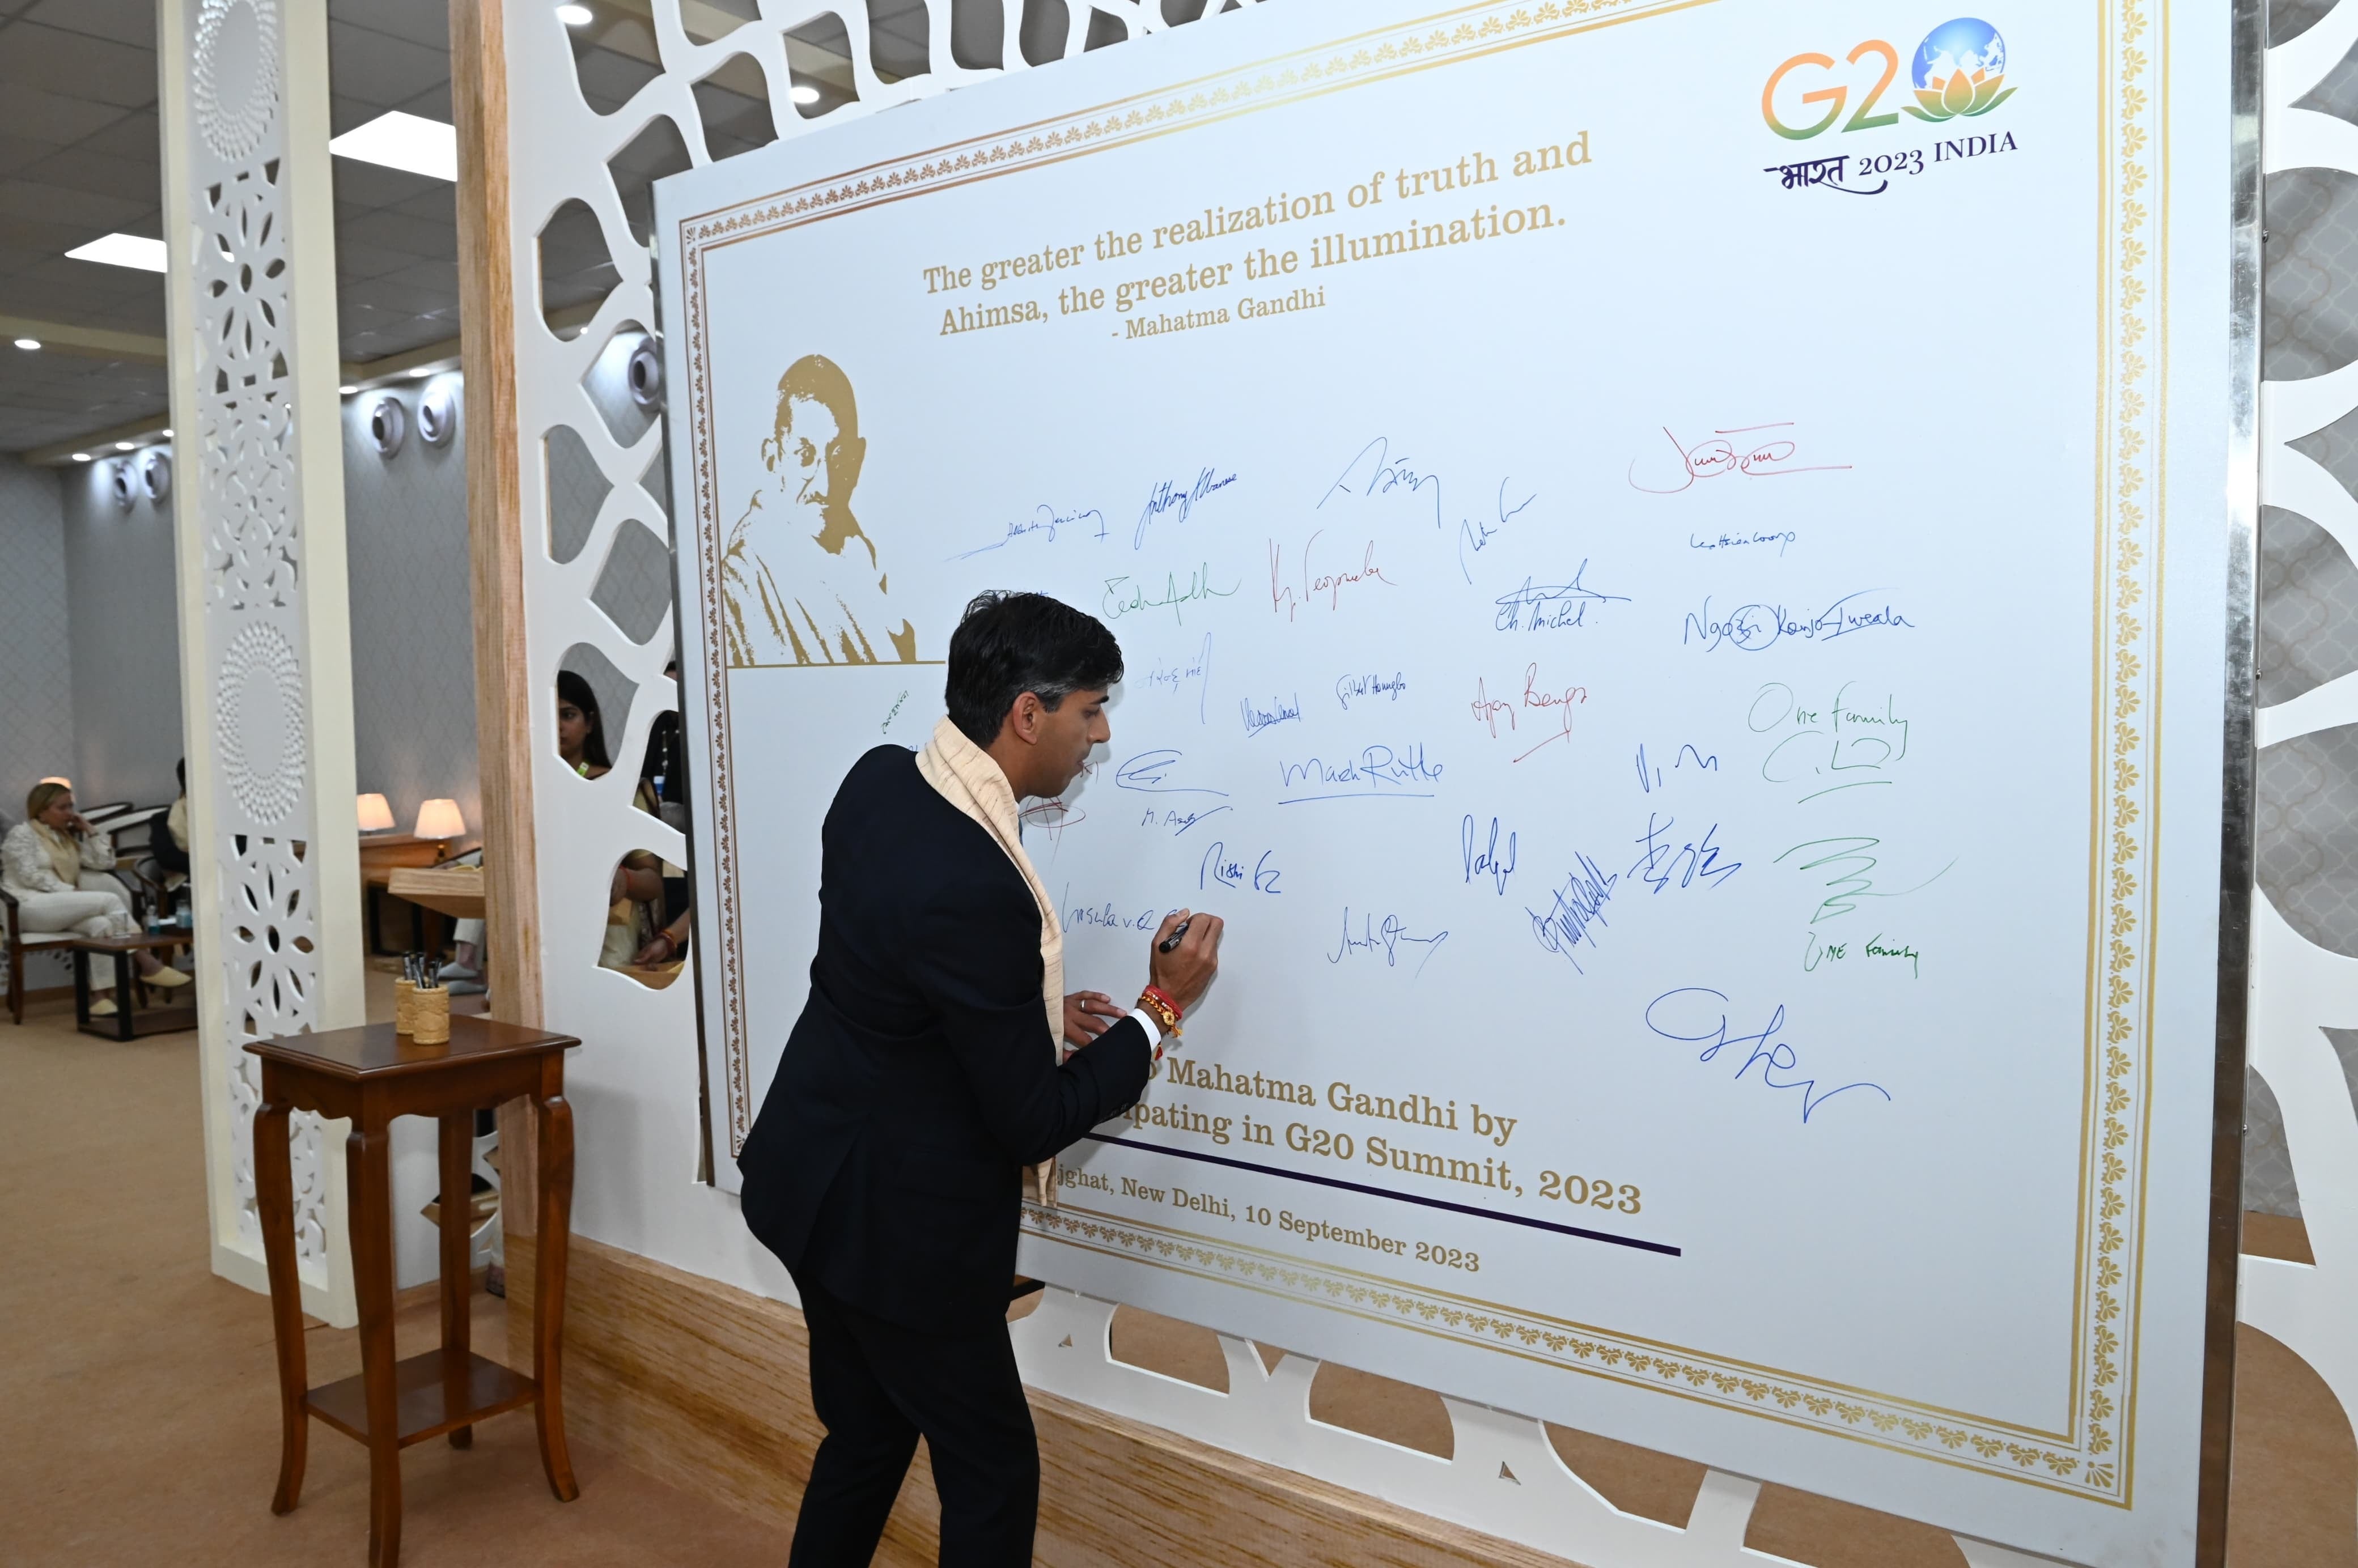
[
  {"x": 574, "y": 16},
  {"x": 81, "y": 457},
  {"x": 806, "y": 94},
  {"x": 28, "y": 345},
  {"x": 401, "y": 141},
  {"x": 348, "y": 391},
  {"x": 421, "y": 372},
  {"x": 166, "y": 432},
  {"x": 122, "y": 250}
]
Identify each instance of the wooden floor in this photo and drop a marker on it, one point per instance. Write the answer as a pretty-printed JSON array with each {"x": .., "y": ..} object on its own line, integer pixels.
[{"x": 138, "y": 1416}]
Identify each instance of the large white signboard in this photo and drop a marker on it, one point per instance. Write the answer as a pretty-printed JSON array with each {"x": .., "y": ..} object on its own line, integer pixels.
[{"x": 1671, "y": 561}]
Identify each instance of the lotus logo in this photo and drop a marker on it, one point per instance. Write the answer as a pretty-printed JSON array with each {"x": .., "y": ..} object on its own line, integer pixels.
[{"x": 1959, "y": 68}]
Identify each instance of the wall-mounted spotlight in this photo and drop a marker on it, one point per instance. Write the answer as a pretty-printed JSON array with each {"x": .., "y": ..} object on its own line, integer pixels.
[
  {"x": 645, "y": 374},
  {"x": 388, "y": 423},
  {"x": 155, "y": 474},
  {"x": 122, "y": 483},
  {"x": 437, "y": 416}
]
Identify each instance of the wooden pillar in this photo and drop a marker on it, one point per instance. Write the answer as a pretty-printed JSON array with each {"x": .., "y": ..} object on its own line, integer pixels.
[{"x": 496, "y": 539}]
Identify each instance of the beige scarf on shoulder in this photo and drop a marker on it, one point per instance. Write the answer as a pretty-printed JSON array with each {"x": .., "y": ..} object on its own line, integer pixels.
[{"x": 966, "y": 776}]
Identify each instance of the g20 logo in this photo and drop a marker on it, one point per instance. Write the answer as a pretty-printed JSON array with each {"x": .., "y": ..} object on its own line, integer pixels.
[{"x": 1959, "y": 69}]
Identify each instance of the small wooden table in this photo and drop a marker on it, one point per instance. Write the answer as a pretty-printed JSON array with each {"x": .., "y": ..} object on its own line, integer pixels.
[
  {"x": 371, "y": 1075},
  {"x": 128, "y": 1023}
]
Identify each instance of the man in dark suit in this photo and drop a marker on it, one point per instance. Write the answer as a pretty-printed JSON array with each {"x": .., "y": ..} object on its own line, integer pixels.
[{"x": 886, "y": 1166}]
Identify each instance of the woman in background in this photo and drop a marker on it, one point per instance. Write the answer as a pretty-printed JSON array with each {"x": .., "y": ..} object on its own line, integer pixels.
[
  {"x": 638, "y": 881},
  {"x": 55, "y": 866}
]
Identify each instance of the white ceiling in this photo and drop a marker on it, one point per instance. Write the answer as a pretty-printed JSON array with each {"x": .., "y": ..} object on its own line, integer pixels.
[{"x": 78, "y": 158}]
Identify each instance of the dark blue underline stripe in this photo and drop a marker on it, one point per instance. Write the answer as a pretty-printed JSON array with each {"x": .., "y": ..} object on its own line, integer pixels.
[{"x": 1663, "y": 1247}]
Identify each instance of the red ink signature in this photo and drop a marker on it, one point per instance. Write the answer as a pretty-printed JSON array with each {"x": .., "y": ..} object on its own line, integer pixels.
[
  {"x": 1572, "y": 696},
  {"x": 1282, "y": 597},
  {"x": 1768, "y": 456}
]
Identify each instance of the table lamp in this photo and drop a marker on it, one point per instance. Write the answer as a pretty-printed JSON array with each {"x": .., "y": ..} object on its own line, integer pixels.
[
  {"x": 375, "y": 815},
  {"x": 440, "y": 819}
]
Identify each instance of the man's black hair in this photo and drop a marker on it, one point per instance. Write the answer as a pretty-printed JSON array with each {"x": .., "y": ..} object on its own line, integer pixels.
[{"x": 1009, "y": 643}]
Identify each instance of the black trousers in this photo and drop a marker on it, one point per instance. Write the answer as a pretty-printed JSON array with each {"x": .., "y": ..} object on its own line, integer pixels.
[{"x": 877, "y": 1388}]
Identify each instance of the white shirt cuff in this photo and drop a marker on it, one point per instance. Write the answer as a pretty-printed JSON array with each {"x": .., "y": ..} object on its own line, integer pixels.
[{"x": 1148, "y": 1022}]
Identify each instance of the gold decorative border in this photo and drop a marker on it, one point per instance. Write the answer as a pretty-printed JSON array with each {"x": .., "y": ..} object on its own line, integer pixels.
[
  {"x": 2094, "y": 1459},
  {"x": 1907, "y": 1426}
]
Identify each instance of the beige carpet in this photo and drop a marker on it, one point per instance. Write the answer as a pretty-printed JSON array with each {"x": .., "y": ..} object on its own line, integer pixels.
[
  {"x": 138, "y": 1407},
  {"x": 138, "y": 1394}
]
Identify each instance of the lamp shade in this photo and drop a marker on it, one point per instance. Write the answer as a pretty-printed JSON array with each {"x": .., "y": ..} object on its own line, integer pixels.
[
  {"x": 375, "y": 815},
  {"x": 439, "y": 819}
]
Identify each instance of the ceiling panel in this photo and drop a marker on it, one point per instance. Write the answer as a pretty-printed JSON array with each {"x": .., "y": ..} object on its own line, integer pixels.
[
  {"x": 125, "y": 21},
  {"x": 378, "y": 68},
  {"x": 48, "y": 203},
  {"x": 98, "y": 69},
  {"x": 135, "y": 136},
  {"x": 39, "y": 116},
  {"x": 426, "y": 22}
]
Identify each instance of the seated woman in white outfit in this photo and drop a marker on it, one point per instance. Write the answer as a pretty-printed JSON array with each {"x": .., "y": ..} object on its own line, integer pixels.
[{"x": 55, "y": 867}]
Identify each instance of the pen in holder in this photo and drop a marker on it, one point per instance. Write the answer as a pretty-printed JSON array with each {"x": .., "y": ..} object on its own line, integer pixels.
[
  {"x": 430, "y": 1014},
  {"x": 404, "y": 1007}
]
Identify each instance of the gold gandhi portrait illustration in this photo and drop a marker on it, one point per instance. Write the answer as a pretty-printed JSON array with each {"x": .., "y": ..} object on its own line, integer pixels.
[{"x": 800, "y": 580}]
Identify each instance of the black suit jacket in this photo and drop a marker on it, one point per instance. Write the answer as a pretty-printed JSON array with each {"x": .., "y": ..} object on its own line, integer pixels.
[{"x": 886, "y": 1162}]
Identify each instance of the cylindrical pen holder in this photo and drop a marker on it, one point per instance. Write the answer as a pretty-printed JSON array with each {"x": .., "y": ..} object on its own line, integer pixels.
[
  {"x": 430, "y": 1010},
  {"x": 404, "y": 1007}
]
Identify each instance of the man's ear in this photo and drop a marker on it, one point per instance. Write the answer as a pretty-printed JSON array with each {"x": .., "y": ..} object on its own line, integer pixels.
[
  {"x": 1024, "y": 720},
  {"x": 773, "y": 447}
]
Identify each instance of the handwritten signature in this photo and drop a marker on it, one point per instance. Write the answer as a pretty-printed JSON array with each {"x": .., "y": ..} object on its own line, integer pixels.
[
  {"x": 1044, "y": 520},
  {"x": 1177, "y": 820},
  {"x": 1168, "y": 497},
  {"x": 1151, "y": 773},
  {"x": 1476, "y": 537},
  {"x": 1551, "y": 607},
  {"x": 1386, "y": 939},
  {"x": 1852, "y": 877},
  {"x": 1487, "y": 860},
  {"x": 894, "y": 714},
  {"x": 1282, "y": 597},
  {"x": 1281, "y": 711},
  {"x": 1377, "y": 771},
  {"x": 1197, "y": 668},
  {"x": 1760, "y": 455},
  {"x": 1348, "y": 687},
  {"x": 1218, "y": 869},
  {"x": 1650, "y": 778},
  {"x": 1575, "y": 909},
  {"x": 1373, "y": 472},
  {"x": 1686, "y": 1009},
  {"x": 1124, "y": 596},
  {"x": 1837, "y": 740},
  {"x": 1695, "y": 860},
  {"x": 1778, "y": 537},
  {"x": 1755, "y": 627}
]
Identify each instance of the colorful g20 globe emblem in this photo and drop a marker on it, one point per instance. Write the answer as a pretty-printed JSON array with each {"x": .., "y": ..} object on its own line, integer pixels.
[{"x": 1959, "y": 68}]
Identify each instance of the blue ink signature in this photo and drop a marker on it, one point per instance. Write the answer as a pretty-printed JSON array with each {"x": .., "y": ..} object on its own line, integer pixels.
[
  {"x": 1227, "y": 873},
  {"x": 1476, "y": 537},
  {"x": 1167, "y": 497},
  {"x": 1281, "y": 710},
  {"x": 1487, "y": 860},
  {"x": 1149, "y": 773},
  {"x": 1377, "y": 771},
  {"x": 1198, "y": 669},
  {"x": 1386, "y": 938},
  {"x": 1176, "y": 820},
  {"x": 1737, "y": 541},
  {"x": 1774, "y": 1057},
  {"x": 1575, "y": 907},
  {"x": 1106, "y": 917},
  {"x": 1759, "y": 626},
  {"x": 1688, "y": 862},
  {"x": 1650, "y": 778},
  {"x": 1552, "y": 607},
  {"x": 1383, "y": 476},
  {"x": 1348, "y": 687},
  {"x": 1044, "y": 519},
  {"x": 1124, "y": 596},
  {"x": 1847, "y": 885}
]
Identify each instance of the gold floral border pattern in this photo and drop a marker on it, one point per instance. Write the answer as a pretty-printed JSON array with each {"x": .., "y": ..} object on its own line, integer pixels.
[{"x": 2095, "y": 1463}]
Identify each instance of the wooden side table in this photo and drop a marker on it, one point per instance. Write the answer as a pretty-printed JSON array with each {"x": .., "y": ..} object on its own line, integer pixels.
[{"x": 371, "y": 1075}]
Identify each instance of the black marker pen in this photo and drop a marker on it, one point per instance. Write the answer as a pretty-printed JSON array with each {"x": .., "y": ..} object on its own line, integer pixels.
[{"x": 1172, "y": 941}]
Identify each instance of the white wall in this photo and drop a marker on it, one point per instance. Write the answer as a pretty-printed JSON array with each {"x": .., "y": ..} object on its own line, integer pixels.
[
  {"x": 412, "y": 611},
  {"x": 124, "y": 627},
  {"x": 37, "y": 717}
]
